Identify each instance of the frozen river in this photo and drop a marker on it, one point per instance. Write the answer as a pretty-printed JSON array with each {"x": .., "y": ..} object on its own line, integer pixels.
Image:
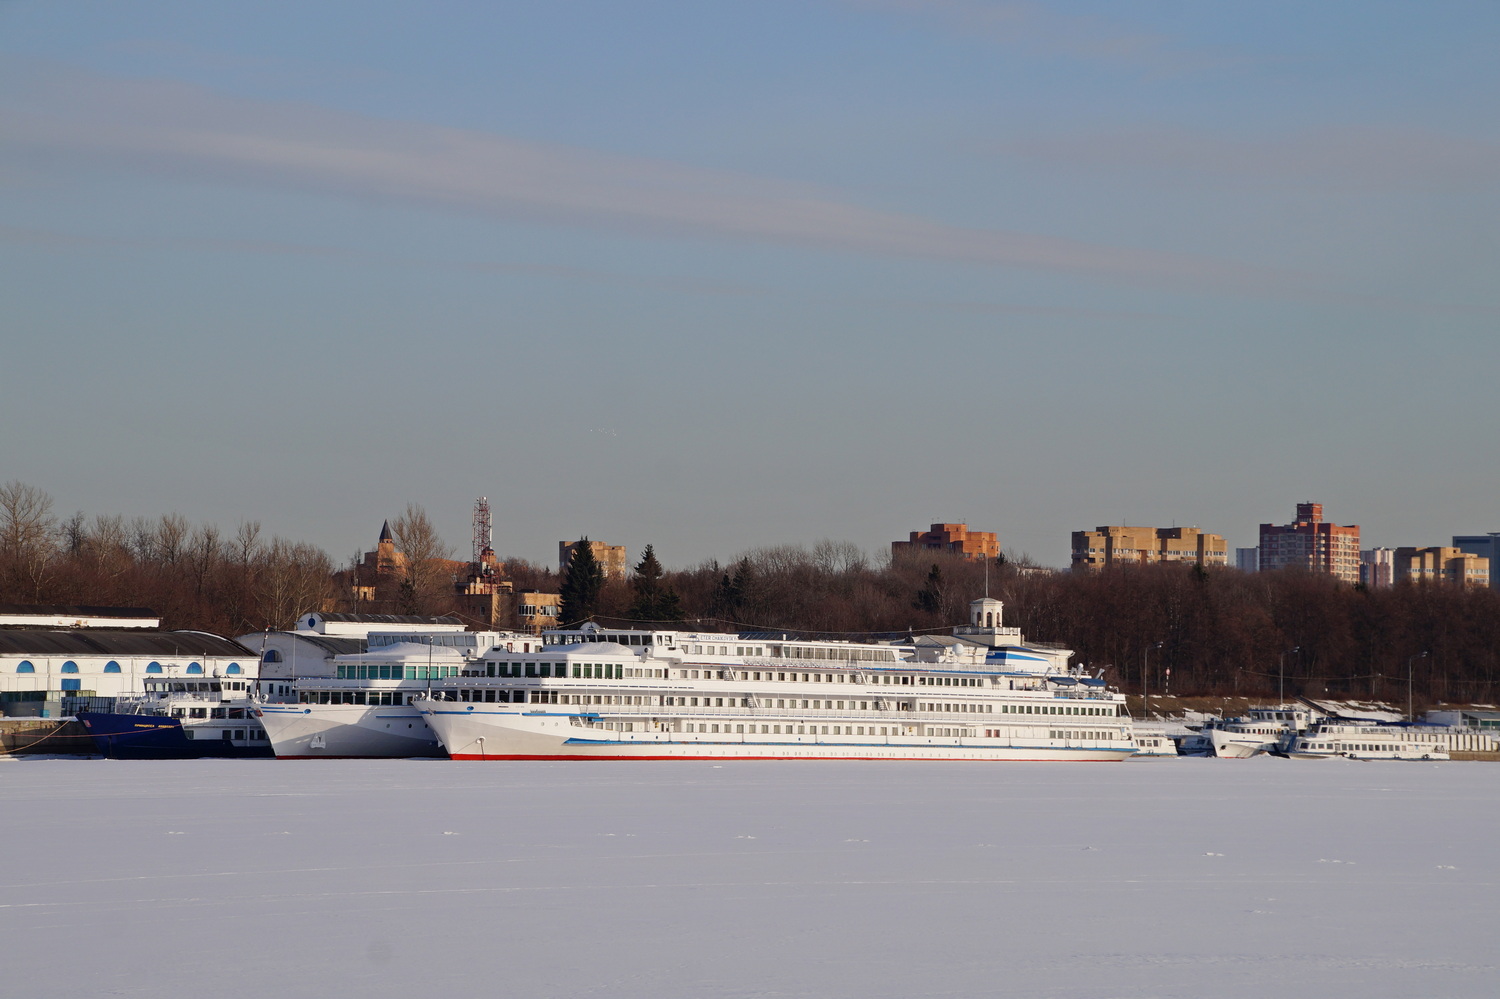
[{"x": 1204, "y": 878}]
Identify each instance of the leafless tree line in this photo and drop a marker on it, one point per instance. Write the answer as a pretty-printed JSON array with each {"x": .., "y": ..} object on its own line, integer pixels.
[
  {"x": 194, "y": 576},
  {"x": 1214, "y": 632}
]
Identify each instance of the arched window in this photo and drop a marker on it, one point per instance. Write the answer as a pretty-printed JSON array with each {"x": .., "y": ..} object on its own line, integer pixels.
[
  {"x": 234, "y": 668},
  {"x": 153, "y": 668},
  {"x": 70, "y": 667},
  {"x": 271, "y": 656},
  {"x": 111, "y": 667},
  {"x": 195, "y": 667},
  {"x": 26, "y": 667}
]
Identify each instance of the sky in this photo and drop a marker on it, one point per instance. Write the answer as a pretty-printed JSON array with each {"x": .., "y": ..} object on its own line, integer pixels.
[{"x": 717, "y": 276}]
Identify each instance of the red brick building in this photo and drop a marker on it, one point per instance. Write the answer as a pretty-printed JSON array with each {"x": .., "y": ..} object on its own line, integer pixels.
[{"x": 1311, "y": 543}]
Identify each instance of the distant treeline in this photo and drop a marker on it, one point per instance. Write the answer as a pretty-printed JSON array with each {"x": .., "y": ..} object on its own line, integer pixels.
[{"x": 1219, "y": 632}]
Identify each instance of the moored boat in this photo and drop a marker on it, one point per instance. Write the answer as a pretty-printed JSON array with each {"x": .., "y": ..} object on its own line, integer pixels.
[
  {"x": 1371, "y": 740},
  {"x": 179, "y": 718},
  {"x": 670, "y": 695}
]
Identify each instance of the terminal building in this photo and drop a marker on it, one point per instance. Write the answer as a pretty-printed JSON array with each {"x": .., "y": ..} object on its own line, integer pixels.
[{"x": 52, "y": 656}]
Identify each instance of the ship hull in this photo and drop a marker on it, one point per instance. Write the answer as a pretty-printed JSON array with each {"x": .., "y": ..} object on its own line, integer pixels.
[
  {"x": 490, "y": 735},
  {"x": 156, "y": 737},
  {"x": 310, "y": 731}
]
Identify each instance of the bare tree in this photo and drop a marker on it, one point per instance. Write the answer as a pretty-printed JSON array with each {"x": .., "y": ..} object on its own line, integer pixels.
[
  {"x": 28, "y": 539},
  {"x": 425, "y": 553}
]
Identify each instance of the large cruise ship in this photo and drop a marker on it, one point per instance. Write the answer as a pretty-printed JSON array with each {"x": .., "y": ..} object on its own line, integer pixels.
[
  {"x": 984, "y": 694},
  {"x": 364, "y": 709}
]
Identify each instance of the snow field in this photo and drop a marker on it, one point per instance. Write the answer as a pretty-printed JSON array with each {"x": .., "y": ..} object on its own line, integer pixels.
[{"x": 1203, "y": 878}]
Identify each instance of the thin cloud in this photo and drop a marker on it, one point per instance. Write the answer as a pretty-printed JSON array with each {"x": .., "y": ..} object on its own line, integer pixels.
[
  {"x": 1397, "y": 158},
  {"x": 176, "y": 129}
]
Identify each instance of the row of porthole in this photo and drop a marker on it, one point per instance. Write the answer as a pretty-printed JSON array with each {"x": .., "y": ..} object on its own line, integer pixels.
[{"x": 114, "y": 667}]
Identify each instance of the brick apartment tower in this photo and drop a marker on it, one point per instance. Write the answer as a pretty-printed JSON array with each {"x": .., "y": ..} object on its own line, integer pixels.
[
  {"x": 1311, "y": 543},
  {"x": 954, "y": 538}
]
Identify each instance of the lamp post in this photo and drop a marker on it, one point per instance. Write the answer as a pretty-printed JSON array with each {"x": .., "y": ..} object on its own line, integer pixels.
[
  {"x": 1409, "y": 660},
  {"x": 1283, "y": 671},
  {"x": 1145, "y": 674}
]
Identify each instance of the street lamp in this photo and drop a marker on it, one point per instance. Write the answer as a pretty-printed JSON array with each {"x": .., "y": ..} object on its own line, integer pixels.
[
  {"x": 1283, "y": 671},
  {"x": 1409, "y": 660},
  {"x": 1145, "y": 674}
]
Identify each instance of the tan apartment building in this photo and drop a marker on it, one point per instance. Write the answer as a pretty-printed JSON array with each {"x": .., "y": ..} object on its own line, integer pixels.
[
  {"x": 1110, "y": 546},
  {"x": 1311, "y": 543},
  {"x": 611, "y": 558},
  {"x": 1441, "y": 565},
  {"x": 955, "y": 539}
]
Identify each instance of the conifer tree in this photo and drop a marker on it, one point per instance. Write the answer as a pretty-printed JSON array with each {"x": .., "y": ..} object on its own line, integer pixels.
[
  {"x": 653, "y": 601},
  {"x": 582, "y": 584}
]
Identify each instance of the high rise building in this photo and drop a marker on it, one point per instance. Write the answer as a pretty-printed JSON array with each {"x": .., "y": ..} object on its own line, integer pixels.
[
  {"x": 1485, "y": 546},
  {"x": 1247, "y": 559},
  {"x": 956, "y": 539},
  {"x": 1377, "y": 567},
  {"x": 1441, "y": 565},
  {"x": 1311, "y": 543},
  {"x": 1109, "y": 546}
]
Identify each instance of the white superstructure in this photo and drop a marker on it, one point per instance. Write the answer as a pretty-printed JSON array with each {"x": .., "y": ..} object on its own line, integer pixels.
[{"x": 625, "y": 694}]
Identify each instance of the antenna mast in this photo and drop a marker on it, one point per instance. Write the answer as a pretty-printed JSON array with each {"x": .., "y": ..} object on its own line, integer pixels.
[{"x": 484, "y": 552}]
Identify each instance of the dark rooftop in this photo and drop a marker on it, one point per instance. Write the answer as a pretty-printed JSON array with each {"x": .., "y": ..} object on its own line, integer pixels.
[{"x": 104, "y": 641}]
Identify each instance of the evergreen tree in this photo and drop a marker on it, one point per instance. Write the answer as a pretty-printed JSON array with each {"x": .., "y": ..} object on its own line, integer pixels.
[
  {"x": 653, "y": 601},
  {"x": 930, "y": 596},
  {"x": 582, "y": 584}
]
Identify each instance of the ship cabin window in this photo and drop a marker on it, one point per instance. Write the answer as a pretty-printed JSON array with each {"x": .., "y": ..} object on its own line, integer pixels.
[{"x": 531, "y": 669}]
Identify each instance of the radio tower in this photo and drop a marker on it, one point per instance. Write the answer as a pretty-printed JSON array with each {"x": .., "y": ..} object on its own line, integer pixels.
[{"x": 484, "y": 553}]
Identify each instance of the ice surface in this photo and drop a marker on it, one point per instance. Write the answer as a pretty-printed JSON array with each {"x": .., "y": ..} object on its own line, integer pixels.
[{"x": 331, "y": 878}]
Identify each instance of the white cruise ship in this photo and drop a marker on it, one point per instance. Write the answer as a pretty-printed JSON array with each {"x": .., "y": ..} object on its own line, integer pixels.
[
  {"x": 364, "y": 709},
  {"x": 593, "y": 693}
]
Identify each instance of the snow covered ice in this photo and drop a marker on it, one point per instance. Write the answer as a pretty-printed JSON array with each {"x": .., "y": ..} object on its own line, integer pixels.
[{"x": 376, "y": 878}]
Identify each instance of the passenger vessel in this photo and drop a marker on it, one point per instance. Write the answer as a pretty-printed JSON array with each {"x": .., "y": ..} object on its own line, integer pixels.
[
  {"x": 1370, "y": 740},
  {"x": 180, "y": 718},
  {"x": 1261, "y": 730},
  {"x": 365, "y": 709},
  {"x": 648, "y": 695}
]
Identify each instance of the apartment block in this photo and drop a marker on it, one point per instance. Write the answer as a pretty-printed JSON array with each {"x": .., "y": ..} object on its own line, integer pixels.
[
  {"x": 610, "y": 557},
  {"x": 1108, "y": 546},
  {"x": 1247, "y": 559},
  {"x": 1441, "y": 565},
  {"x": 955, "y": 539},
  {"x": 1311, "y": 543},
  {"x": 1377, "y": 567}
]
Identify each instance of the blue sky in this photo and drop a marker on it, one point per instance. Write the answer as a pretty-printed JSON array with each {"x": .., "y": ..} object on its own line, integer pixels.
[{"x": 713, "y": 276}]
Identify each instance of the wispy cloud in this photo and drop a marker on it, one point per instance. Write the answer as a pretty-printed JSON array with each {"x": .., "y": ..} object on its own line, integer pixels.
[
  {"x": 1398, "y": 158},
  {"x": 176, "y": 129}
]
